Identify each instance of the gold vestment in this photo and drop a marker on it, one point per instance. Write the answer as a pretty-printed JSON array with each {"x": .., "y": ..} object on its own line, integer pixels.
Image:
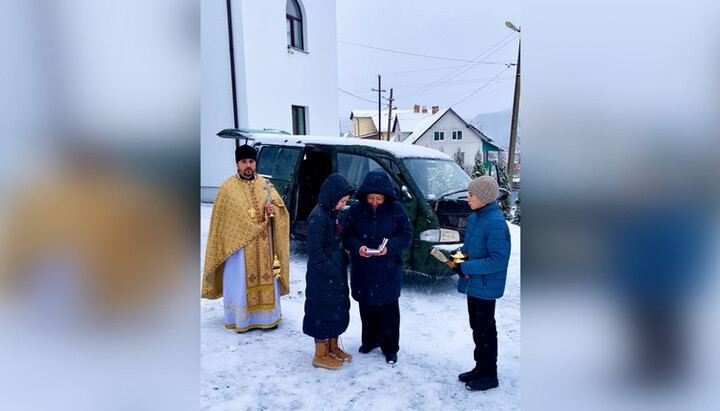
[{"x": 239, "y": 221}]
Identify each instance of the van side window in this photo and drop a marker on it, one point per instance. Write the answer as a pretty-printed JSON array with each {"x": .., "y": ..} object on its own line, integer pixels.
[
  {"x": 355, "y": 168},
  {"x": 278, "y": 162},
  {"x": 392, "y": 165}
]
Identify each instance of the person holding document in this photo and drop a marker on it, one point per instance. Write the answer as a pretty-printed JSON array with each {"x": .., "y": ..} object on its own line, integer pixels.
[
  {"x": 376, "y": 276},
  {"x": 483, "y": 277}
]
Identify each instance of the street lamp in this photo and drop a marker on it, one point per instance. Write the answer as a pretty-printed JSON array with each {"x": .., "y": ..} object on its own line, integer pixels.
[{"x": 516, "y": 103}]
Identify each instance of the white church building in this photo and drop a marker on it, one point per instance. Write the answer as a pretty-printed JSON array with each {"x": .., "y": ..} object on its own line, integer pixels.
[{"x": 285, "y": 75}]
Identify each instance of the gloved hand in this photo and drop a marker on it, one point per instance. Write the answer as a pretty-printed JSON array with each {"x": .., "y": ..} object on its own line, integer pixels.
[{"x": 458, "y": 270}]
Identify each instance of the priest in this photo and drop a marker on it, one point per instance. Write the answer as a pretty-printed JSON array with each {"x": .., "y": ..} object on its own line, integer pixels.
[{"x": 247, "y": 254}]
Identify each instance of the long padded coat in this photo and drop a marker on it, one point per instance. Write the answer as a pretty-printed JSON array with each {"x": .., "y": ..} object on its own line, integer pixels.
[
  {"x": 487, "y": 242},
  {"x": 376, "y": 280},
  {"x": 327, "y": 301}
]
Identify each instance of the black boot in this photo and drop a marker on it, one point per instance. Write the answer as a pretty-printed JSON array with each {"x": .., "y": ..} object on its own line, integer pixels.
[
  {"x": 470, "y": 375},
  {"x": 391, "y": 358},
  {"x": 364, "y": 349},
  {"x": 482, "y": 384}
]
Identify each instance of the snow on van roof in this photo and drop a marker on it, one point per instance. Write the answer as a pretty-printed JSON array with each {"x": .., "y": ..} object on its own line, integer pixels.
[{"x": 399, "y": 150}]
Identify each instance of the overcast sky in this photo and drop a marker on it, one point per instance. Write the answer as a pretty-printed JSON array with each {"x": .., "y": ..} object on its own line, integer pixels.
[{"x": 470, "y": 38}]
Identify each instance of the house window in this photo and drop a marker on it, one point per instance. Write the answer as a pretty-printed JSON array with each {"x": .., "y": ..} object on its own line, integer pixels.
[
  {"x": 439, "y": 136},
  {"x": 457, "y": 135},
  {"x": 298, "y": 119},
  {"x": 294, "y": 23}
]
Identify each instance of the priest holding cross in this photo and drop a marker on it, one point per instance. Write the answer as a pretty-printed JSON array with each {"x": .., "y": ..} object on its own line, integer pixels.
[{"x": 248, "y": 247}]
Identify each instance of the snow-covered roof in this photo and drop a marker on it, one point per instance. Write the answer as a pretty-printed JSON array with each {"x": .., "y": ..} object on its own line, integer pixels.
[
  {"x": 362, "y": 113},
  {"x": 424, "y": 125},
  {"x": 399, "y": 150},
  {"x": 410, "y": 120},
  {"x": 372, "y": 114},
  {"x": 384, "y": 119}
]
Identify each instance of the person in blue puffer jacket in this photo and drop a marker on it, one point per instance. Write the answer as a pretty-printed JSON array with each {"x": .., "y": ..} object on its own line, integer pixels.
[
  {"x": 376, "y": 279},
  {"x": 482, "y": 277}
]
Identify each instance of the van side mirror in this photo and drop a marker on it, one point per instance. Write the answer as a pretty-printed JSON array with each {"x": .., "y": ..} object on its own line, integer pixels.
[
  {"x": 406, "y": 196},
  {"x": 503, "y": 195}
]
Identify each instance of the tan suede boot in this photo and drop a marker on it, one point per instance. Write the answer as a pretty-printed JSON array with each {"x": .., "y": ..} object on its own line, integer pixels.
[
  {"x": 338, "y": 353},
  {"x": 323, "y": 359}
]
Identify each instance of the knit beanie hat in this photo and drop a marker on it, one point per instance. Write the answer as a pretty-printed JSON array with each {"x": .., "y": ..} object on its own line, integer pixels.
[
  {"x": 485, "y": 188},
  {"x": 245, "y": 151}
]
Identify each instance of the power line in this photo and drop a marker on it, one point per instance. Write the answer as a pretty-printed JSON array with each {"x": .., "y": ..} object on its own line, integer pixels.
[
  {"x": 364, "y": 99},
  {"x": 387, "y": 73},
  {"x": 480, "y": 88},
  {"x": 460, "y": 70},
  {"x": 401, "y": 72},
  {"x": 417, "y": 54},
  {"x": 442, "y": 101},
  {"x": 445, "y": 83}
]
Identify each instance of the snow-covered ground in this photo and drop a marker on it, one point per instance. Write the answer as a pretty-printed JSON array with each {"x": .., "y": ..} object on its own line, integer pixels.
[{"x": 272, "y": 369}]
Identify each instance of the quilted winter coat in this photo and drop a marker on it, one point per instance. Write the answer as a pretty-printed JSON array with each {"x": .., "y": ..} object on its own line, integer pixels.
[
  {"x": 376, "y": 280},
  {"x": 487, "y": 242},
  {"x": 327, "y": 301}
]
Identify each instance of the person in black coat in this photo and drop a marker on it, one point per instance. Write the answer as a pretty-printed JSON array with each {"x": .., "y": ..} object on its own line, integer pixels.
[
  {"x": 327, "y": 301},
  {"x": 376, "y": 278}
]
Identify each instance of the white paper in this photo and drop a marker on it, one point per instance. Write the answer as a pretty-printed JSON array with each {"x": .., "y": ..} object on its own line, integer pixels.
[{"x": 379, "y": 249}]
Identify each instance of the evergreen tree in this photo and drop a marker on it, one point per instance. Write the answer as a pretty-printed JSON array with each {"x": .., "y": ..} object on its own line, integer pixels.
[
  {"x": 478, "y": 168},
  {"x": 458, "y": 158},
  {"x": 516, "y": 218},
  {"x": 504, "y": 182}
]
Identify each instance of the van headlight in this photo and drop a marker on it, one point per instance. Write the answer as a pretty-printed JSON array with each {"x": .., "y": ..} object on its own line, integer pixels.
[{"x": 440, "y": 235}]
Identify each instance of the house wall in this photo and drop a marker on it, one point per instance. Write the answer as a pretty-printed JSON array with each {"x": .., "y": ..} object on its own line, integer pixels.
[
  {"x": 269, "y": 79},
  {"x": 217, "y": 159},
  {"x": 362, "y": 126},
  {"x": 470, "y": 144}
]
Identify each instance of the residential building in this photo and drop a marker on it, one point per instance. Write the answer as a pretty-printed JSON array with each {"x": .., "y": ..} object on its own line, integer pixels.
[
  {"x": 285, "y": 64},
  {"x": 442, "y": 130},
  {"x": 446, "y": 131},
  {"x": 365, "y": 123}
]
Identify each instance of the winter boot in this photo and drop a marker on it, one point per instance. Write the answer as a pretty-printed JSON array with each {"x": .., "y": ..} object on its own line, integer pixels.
[
  {"x": 323, "y": 359},
  {"x": 337, "y": 352},
  {"x": 482, "y": 384},
  {"x": 364, "y": 349},
  {"x": 470, "y": 375}
]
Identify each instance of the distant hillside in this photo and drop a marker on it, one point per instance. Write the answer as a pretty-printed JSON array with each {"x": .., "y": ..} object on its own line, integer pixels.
[{"x": 496, "y": 126}]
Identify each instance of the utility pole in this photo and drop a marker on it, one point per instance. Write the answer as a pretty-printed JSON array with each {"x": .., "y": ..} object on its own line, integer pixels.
[
  {"x": 379, "y": 90},
  {"x": 390, "y": 112},
  {"x": 516, "y": 104}
]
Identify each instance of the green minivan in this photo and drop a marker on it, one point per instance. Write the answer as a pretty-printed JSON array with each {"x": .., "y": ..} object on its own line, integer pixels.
[{"x": 429, "y": 184}]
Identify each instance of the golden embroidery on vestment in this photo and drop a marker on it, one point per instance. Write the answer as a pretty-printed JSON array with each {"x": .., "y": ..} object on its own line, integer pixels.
[{"x": 232, "y": 228}]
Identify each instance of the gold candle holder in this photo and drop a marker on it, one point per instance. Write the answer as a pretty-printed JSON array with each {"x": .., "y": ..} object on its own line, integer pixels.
[
  {"x": 276, "y": 267},
  {"x": 458, "y": 257}
]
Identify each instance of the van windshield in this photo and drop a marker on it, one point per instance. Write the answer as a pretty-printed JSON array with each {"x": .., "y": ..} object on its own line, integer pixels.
[{"x": 437, "y": 177}]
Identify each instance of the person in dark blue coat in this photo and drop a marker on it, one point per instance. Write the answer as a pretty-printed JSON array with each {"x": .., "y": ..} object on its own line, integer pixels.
[
  {"x": 482, "y": 278},
  {"x": 327, "y": 301},
  {"x": 376, "y": 277}
]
